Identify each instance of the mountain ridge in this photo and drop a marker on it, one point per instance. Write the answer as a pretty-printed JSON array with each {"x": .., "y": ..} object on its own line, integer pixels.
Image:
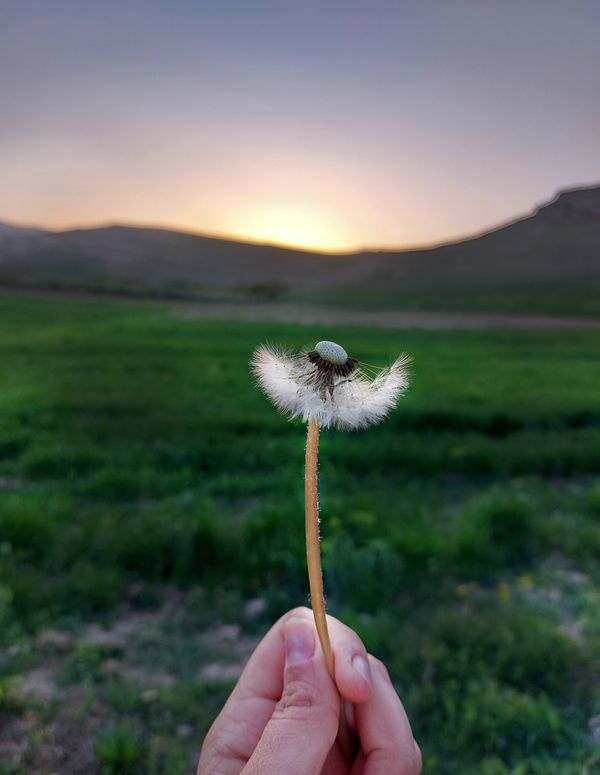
[{"x": 558, "y": 240}]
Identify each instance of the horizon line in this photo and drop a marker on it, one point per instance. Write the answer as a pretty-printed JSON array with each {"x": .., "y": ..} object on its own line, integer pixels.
[{"x": 451, "y": 240}]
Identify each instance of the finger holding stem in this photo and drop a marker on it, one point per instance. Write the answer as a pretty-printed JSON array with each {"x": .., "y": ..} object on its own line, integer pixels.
[{"x": 315, "y": 573}]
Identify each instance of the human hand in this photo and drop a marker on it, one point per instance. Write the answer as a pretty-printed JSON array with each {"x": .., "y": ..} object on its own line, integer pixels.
[{"x": 282, "y": 717}]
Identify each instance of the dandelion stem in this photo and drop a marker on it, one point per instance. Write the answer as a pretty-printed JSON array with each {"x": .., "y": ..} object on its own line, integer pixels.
[{"x": 315, "y": 573}]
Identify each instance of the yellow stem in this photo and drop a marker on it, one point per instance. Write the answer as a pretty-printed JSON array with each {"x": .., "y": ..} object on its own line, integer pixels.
[{"x": 315, "y": 573}]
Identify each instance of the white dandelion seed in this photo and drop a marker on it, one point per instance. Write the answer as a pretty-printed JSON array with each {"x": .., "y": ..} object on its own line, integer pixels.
[{"x": 327, "y": 386}]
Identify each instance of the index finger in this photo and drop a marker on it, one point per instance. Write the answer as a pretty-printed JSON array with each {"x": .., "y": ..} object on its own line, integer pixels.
[{"x": 386, "y": 738}]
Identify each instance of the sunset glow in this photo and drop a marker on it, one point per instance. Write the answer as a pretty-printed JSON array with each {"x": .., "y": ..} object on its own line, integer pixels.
[
  {"x": 291, "y": 225},
  {"x": 323, "y": 126}
]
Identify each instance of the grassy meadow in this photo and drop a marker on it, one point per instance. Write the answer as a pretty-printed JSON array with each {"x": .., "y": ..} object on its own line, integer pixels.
[
  {"x": 576, "y": 298},
  {"x": 151, "y": 528}
]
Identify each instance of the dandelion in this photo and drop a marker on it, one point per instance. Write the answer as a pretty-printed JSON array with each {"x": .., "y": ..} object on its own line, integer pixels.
[{"x": 326, "y": 388}]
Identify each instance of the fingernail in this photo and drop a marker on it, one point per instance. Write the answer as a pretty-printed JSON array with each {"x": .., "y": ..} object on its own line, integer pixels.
[
  {"x": 362, "y": 667},
  {"x": 299, "y": 643}
]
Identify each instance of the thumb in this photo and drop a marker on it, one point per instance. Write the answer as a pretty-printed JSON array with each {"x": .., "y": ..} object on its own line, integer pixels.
[{"x": 303, "y": 727}]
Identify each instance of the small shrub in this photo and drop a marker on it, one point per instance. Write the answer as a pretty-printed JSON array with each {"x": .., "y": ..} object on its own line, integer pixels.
[
  {"x": 511, "y": 646},
  {"x": 85, "y": 661},
  {"x": 273, "y": 554},
  {"x": 422, "y": 549},
  {"x": 9, "y": 698},
  {"x": 367, "y": 576},
  {"x": 488, "y": 718},
  {"x": 170, "y": 543},
  {"x": 91, "y": 588},
  {"x": 28, "y": 523},
  {"x": 500, "y": 533},
  {"x": 119, "y": 750}
]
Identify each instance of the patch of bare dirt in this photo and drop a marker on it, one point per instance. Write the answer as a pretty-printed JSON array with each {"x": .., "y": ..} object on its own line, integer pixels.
[
  {"x": 61, "y": 745},
  {"x": 309, "y": 315},
  {"x": 55, "y": 721}
]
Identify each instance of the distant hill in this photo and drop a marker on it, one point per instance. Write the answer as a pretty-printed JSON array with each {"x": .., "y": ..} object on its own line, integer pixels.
[{"x": 559, "y": 242}]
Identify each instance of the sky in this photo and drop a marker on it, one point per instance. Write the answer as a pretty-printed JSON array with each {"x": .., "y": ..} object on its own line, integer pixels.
[{"x": 331, "y": 125}]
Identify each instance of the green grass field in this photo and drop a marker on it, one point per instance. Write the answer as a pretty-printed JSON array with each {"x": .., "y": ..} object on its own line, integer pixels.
[
  {"x": 150, "y": 491},
  {"x": 569, "y": 298}
]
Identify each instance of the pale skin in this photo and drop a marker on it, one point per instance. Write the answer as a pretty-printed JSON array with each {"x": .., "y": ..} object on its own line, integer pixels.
[{"x": 283, "y": 714}]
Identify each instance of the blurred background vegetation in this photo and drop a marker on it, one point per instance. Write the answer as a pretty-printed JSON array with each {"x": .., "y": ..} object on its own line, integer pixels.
[{"x": 151, "y": 529}]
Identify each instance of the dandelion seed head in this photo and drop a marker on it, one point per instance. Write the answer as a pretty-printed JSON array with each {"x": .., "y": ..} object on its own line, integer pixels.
[
  {"x": 332, "y": 352},
  {"x": 336, "y": 393}
]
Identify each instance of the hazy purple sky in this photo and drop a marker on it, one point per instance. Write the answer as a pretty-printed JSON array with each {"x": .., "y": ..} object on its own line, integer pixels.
[{"x": 331, "y": 124}]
